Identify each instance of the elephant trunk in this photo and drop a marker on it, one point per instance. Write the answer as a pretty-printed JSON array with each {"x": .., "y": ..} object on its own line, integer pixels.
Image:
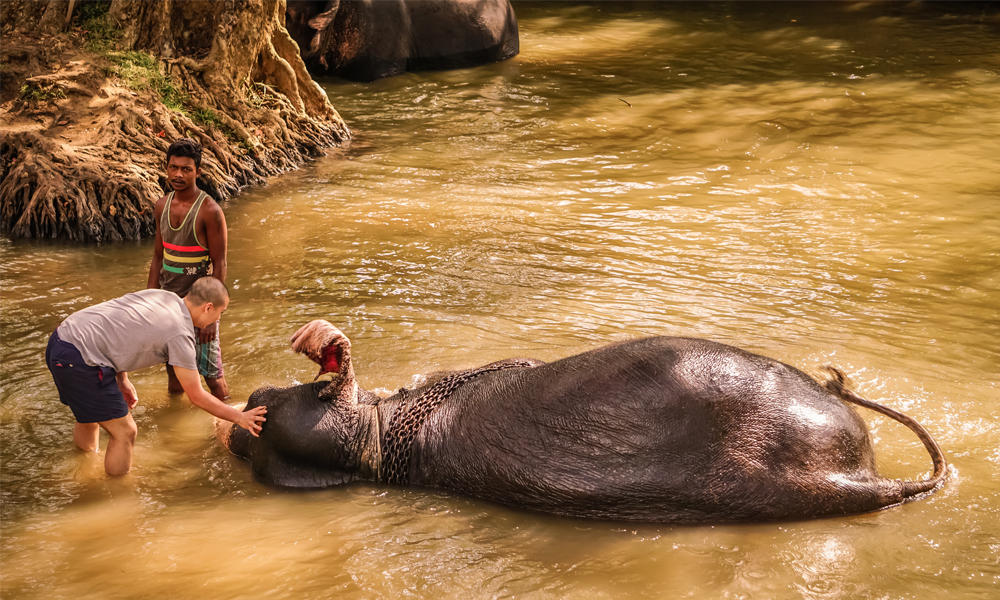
[
  {"x": 904, "y": 489},
  {"x": 328, "y": 347}
]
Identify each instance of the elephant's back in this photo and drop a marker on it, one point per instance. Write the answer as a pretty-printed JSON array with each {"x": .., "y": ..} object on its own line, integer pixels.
[{"x": 674, "y": 426}]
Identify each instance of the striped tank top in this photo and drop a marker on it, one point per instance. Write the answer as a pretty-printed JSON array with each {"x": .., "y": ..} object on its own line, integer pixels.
[{"x": 185, "y": 260}]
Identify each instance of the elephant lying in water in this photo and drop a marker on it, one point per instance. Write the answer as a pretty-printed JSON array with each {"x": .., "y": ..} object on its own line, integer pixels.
[{"x": 660, "y": 429}]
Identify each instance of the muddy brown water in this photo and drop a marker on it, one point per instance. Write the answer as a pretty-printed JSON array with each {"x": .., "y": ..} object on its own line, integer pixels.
[{"x": 815, "y": 183}]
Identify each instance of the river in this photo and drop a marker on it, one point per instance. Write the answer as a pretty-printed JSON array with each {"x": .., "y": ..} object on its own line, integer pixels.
[{"x": 818, "y": 183}]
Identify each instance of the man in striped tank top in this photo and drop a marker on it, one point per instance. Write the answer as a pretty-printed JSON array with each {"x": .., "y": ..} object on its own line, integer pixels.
[{"x": 191, "y": 242}]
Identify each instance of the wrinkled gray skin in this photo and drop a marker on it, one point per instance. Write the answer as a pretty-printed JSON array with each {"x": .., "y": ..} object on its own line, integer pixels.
[
  {"x": 661, "y": 429},
  {"x": 365, "y": 40}
]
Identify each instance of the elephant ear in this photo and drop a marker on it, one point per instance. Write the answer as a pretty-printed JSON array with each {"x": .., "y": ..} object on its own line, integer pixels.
[
  {"x": 325, "y": 345},
  {"x": 320, "y": 21}
]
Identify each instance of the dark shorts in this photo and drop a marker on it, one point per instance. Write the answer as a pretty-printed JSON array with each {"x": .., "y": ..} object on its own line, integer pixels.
[{"x": 90, "y": 392}]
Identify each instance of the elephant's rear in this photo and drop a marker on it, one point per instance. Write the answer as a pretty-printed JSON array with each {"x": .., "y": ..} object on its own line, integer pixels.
[{"x": 665, "y": 429}]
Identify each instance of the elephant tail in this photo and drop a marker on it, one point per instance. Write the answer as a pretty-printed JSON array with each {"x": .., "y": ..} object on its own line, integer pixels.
[{"x": 838, "y": 385}]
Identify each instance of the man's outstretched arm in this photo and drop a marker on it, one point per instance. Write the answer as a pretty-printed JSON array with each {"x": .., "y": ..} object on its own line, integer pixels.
[{"x": 250, "y": 420}]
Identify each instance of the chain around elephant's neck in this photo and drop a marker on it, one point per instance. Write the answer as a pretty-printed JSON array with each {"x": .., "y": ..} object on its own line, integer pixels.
[{"x": 410, "y": 417}]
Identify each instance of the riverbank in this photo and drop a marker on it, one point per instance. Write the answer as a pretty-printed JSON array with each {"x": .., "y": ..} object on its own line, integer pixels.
[{"x": 87, "y": 120}]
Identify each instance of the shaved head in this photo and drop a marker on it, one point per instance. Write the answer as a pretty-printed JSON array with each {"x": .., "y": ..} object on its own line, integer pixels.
[{"x": 208, "y": 289}]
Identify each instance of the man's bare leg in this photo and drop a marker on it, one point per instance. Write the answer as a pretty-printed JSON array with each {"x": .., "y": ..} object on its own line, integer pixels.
[
  {"x": 86, "y": 436},
  {"x": 118, "y": 457},
  {"x": 173, "y": 386},
  {"x": 218, "y": 387}
]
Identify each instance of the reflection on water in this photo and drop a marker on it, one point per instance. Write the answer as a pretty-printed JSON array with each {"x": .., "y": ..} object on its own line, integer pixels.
[{"x": 814, "y": 182}]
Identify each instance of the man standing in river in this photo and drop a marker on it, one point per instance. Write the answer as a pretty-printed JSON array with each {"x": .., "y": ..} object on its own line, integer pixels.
[
  {"x": 192, "y": 249},
  {"x": 95, "y": 348}
]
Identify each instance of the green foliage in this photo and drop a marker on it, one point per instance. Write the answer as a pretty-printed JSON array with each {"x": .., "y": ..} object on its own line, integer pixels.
[
  {"x": 92, "y": 10},
  {"x": 172, "y": 96},
  {"x": 102, "y": 34},
  {"x": 30, "y": 92},
  {"x": 206, "y": 116},
  {"x": 140, "y": 71},
  {"x": 137, "y": 70}
]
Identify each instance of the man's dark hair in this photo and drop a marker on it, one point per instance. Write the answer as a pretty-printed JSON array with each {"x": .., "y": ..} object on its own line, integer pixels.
[{"x": 186, "y": 147}]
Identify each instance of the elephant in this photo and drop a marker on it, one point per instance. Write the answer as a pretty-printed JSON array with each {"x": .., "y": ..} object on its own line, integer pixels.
[
  {"x": 365, "y": 40},
  {"x": 659, "y": 429}
]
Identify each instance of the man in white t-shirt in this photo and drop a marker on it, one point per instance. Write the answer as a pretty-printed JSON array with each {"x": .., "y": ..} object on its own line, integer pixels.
[{"x": 101, "y": 344}]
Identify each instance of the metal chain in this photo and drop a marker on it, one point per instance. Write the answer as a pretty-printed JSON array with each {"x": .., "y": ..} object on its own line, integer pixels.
[{"x": 411, "y": 416}]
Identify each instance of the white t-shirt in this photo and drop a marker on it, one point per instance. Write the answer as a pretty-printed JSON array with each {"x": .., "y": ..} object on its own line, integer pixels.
[{"x": 137, "y": 330}]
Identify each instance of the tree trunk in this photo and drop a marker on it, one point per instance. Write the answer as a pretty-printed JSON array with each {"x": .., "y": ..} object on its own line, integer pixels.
[{"x": 91, "y": 168}]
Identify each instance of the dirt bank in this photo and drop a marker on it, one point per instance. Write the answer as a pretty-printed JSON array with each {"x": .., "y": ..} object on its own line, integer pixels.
[{"x": 87, "y": 113}]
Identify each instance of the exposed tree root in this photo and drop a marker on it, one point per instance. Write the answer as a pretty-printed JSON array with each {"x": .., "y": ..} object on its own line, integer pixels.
[
  {"x": 48, "y": 192},
  {"x": 81, "y": 154}
]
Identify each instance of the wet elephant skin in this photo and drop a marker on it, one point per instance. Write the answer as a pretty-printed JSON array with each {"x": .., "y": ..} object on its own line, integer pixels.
[
  {"x": 365, "y": 40},
  {"x": 659, "y": 429}
]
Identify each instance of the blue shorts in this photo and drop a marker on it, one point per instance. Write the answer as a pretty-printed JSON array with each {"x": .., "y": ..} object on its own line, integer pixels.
[{"x": 90, "y": 392}]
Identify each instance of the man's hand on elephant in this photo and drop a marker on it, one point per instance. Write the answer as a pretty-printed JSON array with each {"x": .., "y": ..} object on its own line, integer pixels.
[
  {"x": 208, "y": 333},
  {"x": 252, "y": 419}
]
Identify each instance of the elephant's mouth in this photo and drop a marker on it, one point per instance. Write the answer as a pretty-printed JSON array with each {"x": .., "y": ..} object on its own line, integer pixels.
[{"x": 331, "y": 360}]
